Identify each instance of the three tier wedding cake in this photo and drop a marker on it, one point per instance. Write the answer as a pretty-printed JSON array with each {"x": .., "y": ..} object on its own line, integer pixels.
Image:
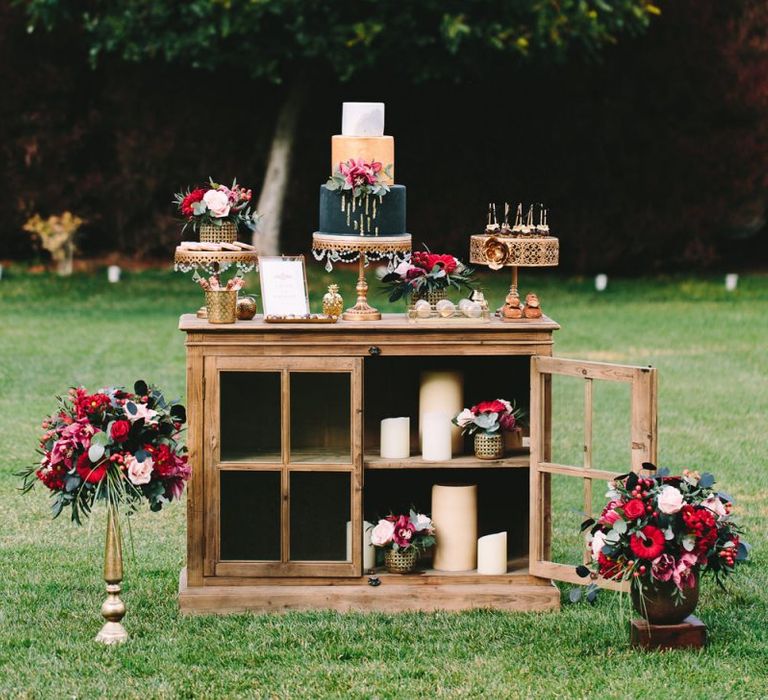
[{"x": 361, "y": 197}]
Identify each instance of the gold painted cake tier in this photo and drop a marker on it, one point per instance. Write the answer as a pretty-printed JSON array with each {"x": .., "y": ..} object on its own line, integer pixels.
[
  {"x": 351, "y": 244},
  {"x": 377, "y": 148}
]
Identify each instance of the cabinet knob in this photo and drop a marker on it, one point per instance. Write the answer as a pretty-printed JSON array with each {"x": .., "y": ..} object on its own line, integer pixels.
[{"x": 374, "y": 350}]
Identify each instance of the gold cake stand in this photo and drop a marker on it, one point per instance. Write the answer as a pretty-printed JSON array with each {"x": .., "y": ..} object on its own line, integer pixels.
[
  {"x": 363, "y": 250},
  {"x": 213, "y": 263},
  {"x": 497, "y": 251}
]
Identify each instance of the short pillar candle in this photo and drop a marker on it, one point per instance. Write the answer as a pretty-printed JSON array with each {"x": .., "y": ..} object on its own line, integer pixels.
[
  {"x": 395, "y": 438},
  {"x": 492, "y": 554}
]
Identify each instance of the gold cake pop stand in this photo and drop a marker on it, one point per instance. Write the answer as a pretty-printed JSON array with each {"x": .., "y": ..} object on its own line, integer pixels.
[
  {"x": 498, "y": 250},
  {"x": 213, "y": 262},
  {"x": 363, "y": 250}
]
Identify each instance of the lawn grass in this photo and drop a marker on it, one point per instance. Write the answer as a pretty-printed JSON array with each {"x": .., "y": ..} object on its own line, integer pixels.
[{"x": 710, "y": 348}]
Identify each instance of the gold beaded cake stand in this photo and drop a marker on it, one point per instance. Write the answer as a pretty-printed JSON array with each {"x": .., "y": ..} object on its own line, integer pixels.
[
  {"x": 363, "y": 250},
  {"x": 213, "y": 262},
  {"x": 497, "y": 251}
]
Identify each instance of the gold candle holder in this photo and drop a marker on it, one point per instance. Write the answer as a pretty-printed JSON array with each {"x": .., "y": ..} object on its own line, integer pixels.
[{"x": 113, "y": 608}]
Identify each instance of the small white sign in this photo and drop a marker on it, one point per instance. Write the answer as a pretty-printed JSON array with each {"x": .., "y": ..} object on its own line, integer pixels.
[{"x": 283, "y": 286}]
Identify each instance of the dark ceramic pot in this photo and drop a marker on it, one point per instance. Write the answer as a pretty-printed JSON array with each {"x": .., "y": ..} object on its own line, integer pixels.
[{"x": 657, "y": 605}]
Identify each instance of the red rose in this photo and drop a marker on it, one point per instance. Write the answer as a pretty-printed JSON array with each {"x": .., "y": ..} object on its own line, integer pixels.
[
  {"x": 120, "y": 430},
  {"x": 650, "y": 546},
  {"x": 634, "y": 509},
  {"x": 189, "y": 200},
  {"x": 489, "y": 407},
  {"x": 87, "y": 471}
]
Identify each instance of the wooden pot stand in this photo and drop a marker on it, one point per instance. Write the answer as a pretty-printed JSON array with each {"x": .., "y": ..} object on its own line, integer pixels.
[
  {"x": 283, "y": 438},
  {"x": 691, "y": 633}
]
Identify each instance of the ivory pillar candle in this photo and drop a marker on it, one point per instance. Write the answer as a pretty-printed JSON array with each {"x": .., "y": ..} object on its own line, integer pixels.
[
  {"x": 492, "y": 554},
  {"x": 436, "y": 441},
  {"x": 454, "y": 515},
  {"x": 442, "y": 391},
  {"x": 396, "y": 438},
  {"x": 369, "y": 551}
]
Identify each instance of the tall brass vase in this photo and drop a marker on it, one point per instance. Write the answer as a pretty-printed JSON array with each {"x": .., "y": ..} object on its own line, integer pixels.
[{"x": 113, "y": 608}]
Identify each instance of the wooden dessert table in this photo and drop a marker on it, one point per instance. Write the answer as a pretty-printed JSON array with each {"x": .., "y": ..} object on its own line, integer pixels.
[{"x": 284, "y": 442}]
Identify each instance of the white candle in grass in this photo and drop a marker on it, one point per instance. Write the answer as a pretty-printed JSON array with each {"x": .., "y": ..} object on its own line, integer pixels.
[
  {"x": 113, "y": 273},
  {"x": 436, "y": 437},
  {"x": 492, "y": 554},
  {"x": 395, "y": 438}
]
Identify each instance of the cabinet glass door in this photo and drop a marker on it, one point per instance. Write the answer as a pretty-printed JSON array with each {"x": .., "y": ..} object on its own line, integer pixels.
[
  {"x": 573, "y": 491},
  {"x": 283, "y": 466}
]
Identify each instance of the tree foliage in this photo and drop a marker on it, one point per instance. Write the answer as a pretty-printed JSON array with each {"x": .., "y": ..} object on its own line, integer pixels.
[{"x": 276, "y": 39}]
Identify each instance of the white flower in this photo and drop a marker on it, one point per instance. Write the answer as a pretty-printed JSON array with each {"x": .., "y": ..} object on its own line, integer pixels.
[
  {"x": 381, "y": 535},
  {"x": 670, "y": 500},
  {"x": 139, "y": 472},
  {"x": 421, "y": 522},
  {"x": 218, "y": 202},
  {"x": 142, "y": 411},
  {"x": 465, "y": 418},
  {"x": 598, "y": 542},
  {"x": 402, "y": 269},
  {"x": 714, "y": 504}
]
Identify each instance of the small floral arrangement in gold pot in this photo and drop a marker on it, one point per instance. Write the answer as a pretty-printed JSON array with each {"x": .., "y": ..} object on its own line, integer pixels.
[
  {"x": 488, "y": 421},
  {"x": 403, "y": 538},
  {"x": 217, "y": 211}
]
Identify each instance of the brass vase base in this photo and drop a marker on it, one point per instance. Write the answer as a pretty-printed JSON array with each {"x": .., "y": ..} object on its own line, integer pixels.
[
  {"x": 112, "y": 633},
  {"x": 362, "y": 312}
]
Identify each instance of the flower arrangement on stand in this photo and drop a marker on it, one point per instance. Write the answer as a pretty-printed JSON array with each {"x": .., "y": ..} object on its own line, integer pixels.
[
  {"x": 216, "y": 211},
  {"x": 427, "y": 276},
  {"x": 403, "y": 538},
  {"x": 661, "y": 534},
  {"x": 487, "y": 421},
  {"x": 117, "y": 447}
]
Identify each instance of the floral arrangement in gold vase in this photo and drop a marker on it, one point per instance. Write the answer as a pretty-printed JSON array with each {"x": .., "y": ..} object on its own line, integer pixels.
[
  {"x": 57, "y": 236},
  {"x": 488, "y": 421},
  {"x": 403, "y": 538}
]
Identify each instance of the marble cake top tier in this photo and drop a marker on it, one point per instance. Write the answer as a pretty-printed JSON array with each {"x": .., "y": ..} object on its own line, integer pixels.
[{"x": 362, "y": 119}]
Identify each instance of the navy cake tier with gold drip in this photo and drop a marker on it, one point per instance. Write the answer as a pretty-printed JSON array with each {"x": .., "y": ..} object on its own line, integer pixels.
[{"x": 363, "y": 139}]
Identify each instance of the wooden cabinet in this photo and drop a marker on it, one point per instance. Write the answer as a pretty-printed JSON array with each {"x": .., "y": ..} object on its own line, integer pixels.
[{"x": 283, "y": 438}]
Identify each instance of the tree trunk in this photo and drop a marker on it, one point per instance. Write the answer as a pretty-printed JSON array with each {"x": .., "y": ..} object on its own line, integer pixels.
[{"x": 267, "y": 237}]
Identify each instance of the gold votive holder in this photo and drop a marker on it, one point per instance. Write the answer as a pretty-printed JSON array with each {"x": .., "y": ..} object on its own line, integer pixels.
[{"x": 222, "y": 305}]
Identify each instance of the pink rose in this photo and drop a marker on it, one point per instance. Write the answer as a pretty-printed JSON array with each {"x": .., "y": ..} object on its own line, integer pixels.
[
  {"x": 598, "y": 542},
  {"x": 218, "y": 202},
  {"x": 381, "y": 535},
  {"x": 610, "y": 516},
  {"x": 139, "y": 472},
  {"x": 670, "y": 500},
  {"x": 714, "y": 504},
  {"x": 683, "y": 575}
]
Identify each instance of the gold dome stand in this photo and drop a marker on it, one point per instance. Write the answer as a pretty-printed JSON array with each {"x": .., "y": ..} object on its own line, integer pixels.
[
  {"x": 213, "y": 262},
  {"x": 499, "y": 250},
  {"x": 363, "y": 250}
]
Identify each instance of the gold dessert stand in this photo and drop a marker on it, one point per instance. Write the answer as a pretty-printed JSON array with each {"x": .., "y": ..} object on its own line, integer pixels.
[
  {"x": 363, "y": 250},
  {"x": 499, "y": 250},
  {"x": 213, "y": 263}
]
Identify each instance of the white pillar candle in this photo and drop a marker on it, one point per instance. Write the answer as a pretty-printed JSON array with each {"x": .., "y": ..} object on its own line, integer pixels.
[
  {"x": 731, "y": 281},
  {"x": 369, "y": 551},
  {"x": 396, "y": 438},
  {"x": 436, "y": 440},
  {"x": 444, "y": 392},
  {"x": 454, "y": 515},
  {"x": 492, "y": 554},
  {"x": 113, "y": 273}
]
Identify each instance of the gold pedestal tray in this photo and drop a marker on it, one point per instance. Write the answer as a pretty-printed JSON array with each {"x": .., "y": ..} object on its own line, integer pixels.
[
  {"x": 497, "y": 251},
  {"x": 361, "y": 249},
  {"x": 213, "y": 262}
]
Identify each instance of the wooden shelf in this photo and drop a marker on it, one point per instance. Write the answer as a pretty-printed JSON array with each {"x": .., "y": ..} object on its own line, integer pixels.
[{"x": 516, "y": 461}]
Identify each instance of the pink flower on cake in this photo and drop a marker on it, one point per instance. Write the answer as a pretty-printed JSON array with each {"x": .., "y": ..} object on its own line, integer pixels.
[
  {"x": 218, "y": 202},
  {"x": 139, "y": 472},
  {"x": 381, "y": 535}
]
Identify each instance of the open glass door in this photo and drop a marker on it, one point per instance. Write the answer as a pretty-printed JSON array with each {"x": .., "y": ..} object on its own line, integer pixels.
[{"x": 575, "y": 479}]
